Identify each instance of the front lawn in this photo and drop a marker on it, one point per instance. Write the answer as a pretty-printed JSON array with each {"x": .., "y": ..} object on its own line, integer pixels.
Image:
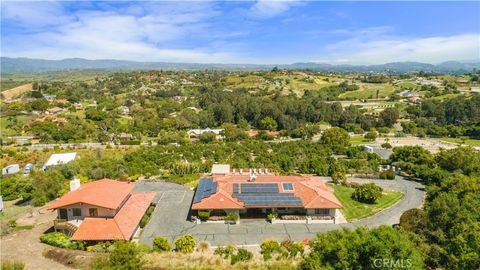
[{"x": 353, "y": 210}]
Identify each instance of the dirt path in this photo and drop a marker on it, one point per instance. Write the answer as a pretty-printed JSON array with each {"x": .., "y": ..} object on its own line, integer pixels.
[{"x": 26, "y": 247}]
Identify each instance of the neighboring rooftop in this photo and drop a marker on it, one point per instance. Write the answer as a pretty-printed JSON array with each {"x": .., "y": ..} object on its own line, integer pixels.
[
  {"x": 105, "y": 193},
  {"x": 58, "y": 159},
  {"x": 221, "y": 169}
]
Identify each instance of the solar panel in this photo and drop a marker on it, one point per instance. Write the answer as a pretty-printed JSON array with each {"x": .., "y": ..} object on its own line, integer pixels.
[
  {"x": 259, "y": 188},
  {"x": 279, "y": 199},
  {"x": 206, "y": 187},
  {"x": 235, "y": 188}
]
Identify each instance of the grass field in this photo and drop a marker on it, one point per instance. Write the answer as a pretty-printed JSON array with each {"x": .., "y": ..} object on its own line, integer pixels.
[
  {"x": 467, "y": 141},
  {"x": 353, "y": 210},
  {"x": 358, "y": 140},
  {"x": 368, "y": 91}
]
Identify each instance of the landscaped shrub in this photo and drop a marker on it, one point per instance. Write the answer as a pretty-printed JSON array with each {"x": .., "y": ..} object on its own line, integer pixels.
[
  {"x": 339, "y": 177},
  {"x": 232, "y": 217},
  {"x": 161, "y": 244},
  {"x": 268, "y": 247},
  {"x": 413, "y": 220},
  {"x": 58, "y": 239},
  {"x": 389, "y": 174},
  {"x": 203, "y": 216},
  {"x": 242, "y": 255},
  {"x": 367, "y": 193},
  {"x": 146, "y": 217},
  {"x": 127, "y": 255},
  {"x": 225, "y": 252},
  {"x": 13, "y": 265},
  {"x": 185, "y": 244},
  {"x": 293, "y": 248},
  {"x": 271, "y": 216}
]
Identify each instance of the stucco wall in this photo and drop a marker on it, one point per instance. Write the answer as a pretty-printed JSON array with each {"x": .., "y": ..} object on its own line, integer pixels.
[{"x": 102, "y": 212}]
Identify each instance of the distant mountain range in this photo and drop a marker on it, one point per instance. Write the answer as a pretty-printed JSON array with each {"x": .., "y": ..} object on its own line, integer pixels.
[{"x": 28, "y": 65}]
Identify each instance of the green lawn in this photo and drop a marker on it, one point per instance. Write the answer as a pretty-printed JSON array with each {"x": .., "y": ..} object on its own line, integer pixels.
[
  {"x": 470, "y": 142},
  {"x": 353, "y": 210},
  {"x": 358, "y": 141}
]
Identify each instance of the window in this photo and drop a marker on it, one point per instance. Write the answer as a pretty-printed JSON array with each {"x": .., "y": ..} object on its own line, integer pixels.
[
  {"x": 322, "y": 211},
  {"x": 77, "y": 212},
  {"x": 287, "y": 187},
  {"x": 93, "y": 212}
]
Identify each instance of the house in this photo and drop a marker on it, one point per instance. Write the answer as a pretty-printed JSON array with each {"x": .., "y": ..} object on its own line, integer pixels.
[
  {"x": 252, "y": 196},
  {"x": 194, "y": 133},
  {"x": 50, "y": 98},
  {"x": 54, "y": 110},
  {"x": 101, "y": 210},
  {"x": 21, "y": 140},
  {"x": 255, "y": 132},
  {"x": 11, "y": 169},
  {"x": 60, "y": 159}
]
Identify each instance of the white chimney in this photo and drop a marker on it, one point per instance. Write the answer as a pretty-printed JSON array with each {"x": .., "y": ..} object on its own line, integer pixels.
[
  {"x": 252, "y": 177},
  {"x": 74, "y": 184}
]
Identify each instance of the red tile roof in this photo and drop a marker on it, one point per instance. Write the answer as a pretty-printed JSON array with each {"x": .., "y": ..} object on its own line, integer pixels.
[
  {"x": 105, "y": 193},
  {"x": 310, "y": 189},
  {"x": 122, "y": 226}
]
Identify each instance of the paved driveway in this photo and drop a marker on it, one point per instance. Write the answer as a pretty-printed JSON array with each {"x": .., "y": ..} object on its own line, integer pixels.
[{"x": 170, "y": 217}]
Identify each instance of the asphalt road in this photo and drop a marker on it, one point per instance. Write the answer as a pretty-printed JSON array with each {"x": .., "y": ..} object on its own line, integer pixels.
[{"x": 170, "y": 218}]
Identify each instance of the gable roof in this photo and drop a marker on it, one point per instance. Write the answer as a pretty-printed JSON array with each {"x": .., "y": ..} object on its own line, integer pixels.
[
  {"x": 105, "y": 193},
  {"x": 122, "y": 226}
]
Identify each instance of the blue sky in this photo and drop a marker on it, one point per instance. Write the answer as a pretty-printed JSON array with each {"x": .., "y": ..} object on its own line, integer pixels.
[{"x": 270, "y": 32}]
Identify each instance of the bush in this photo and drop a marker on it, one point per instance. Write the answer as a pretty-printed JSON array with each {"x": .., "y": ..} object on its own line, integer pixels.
[
  {"x": 390, "y": 174},
  {"x": 185, "y": 244},
  {"x": 231, "y": 217},
  {"x": 339, "y": 177},
  {"x": 367, "y": 193},
  {"x": 242, "y": 255},
  {"x": 203, "y": 216},
  {"x": 371, "y": 136},
  {"x": 386, "y": 145},
  {"x": 413, "y": 220},
  {"x": 58, "y": 239},
  {"x": 224, "y": 252},
  {"x": 271, "y": 216},
  {"x": 127, "y": 255},
  {"x": 161, "y": 244},
  {"x": 268, "y": 247},
  {"x": 13, "y": 265},
  {"x": 293, "y": 248}
]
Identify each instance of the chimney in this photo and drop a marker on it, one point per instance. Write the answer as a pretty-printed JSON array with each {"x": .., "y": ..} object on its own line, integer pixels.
[
  {"x": 252, "y": 177},
  {"x": 74, "y": 184}
]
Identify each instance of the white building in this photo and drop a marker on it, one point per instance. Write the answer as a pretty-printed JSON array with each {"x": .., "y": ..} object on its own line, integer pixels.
[
  {"x": 60, "y": 159},
  {"x": 11, "y": 169}
]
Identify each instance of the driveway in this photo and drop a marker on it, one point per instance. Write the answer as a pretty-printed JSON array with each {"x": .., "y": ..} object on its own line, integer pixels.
[{"x": 170, "y": 217}]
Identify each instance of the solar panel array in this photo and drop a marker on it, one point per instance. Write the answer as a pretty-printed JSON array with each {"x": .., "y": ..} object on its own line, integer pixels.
[
  {"x": 265, "y": 194},
  {"x": 287, "y": 186},
  {"x": 206, "y": 187},
  {"x": 259, "y": 188},
  {"x": 279, "y": 199}
]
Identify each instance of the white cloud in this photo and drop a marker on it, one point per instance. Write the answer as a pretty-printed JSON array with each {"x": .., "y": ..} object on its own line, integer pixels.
[
  {"x": 377, "y": 48},
  {"x": 148, "y": 32},
  {"x": 271, "y": 8}
]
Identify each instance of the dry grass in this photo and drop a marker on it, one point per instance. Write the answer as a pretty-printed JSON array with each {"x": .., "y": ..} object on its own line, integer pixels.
[
  {"x": 17, "y": 91},
  {"x": 207, "y": 260}
]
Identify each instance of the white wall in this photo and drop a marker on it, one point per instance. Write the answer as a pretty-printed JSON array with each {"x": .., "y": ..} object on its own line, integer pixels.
[{"x": 102, "y": 212}]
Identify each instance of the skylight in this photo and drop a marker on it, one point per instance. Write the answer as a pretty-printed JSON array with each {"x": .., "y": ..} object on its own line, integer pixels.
[{"x": 287, "y": 186}]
